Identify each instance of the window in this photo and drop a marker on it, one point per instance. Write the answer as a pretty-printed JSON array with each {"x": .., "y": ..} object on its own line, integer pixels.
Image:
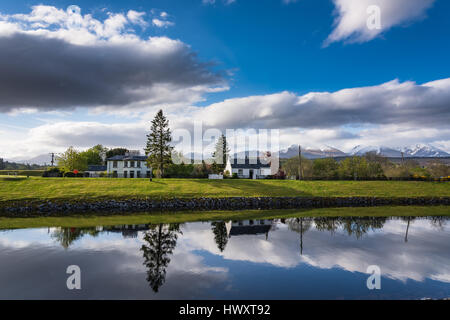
[
  {"x": 132, "y": 164},
  {"x": 114, "y": 174},
  {"x": 138, "y": 174},
  {"x": 148, "y": 174},
  {"x": 125, "y": 174},
  {"x": 240, "y": 172},
  {"x": 114, "y": 164},
  {"x": 131, "y": 174},
  {"x": 138, "y": 164},
  {"x": 125, "y": 164}
]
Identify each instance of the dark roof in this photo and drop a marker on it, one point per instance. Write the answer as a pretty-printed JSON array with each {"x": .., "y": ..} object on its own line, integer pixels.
[
  {"x": 248, "y": 163},
  {"x": 96, "y": 168},
  {"x": 127, "y": 158},
  {"x": 254, "y": 229}
]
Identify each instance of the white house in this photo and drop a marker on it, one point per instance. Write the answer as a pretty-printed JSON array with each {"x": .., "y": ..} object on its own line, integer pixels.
[
  {"x": 130, "y": 165},
  {"x": 252, "y": 168}
]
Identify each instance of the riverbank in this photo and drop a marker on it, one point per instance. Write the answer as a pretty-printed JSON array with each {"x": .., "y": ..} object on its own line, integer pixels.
[
  {"x": 90, "y": 219},
  {"x": 65, "y": 207}
]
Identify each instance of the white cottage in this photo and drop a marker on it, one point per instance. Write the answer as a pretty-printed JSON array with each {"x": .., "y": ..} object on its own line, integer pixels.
[
  {"x": 130, "y": 165},
  {"x": 251, "y": 168}
]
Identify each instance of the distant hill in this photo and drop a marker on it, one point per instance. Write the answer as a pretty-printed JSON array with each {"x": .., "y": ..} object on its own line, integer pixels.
[
  {"x": 310, "y": 153},
  {"x": 417, "y": 150}
]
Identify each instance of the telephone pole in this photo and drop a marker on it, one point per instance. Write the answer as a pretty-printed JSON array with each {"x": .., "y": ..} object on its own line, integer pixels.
[
  {"x": 53, "y": 158},
  {"x": 300, "y": 173}
]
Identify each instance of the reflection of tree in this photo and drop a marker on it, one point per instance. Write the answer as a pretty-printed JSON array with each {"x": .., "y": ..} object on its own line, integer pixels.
[
  {"x": 408, "y": 220},
  {"x": 327, "y": 224},
  {"x": 438, "y": 222},
  {"x": 360, "y": 226},
  {"x": 66, "y": 236},
  {"x": 300, "y": 225},
  {"x": 160, "y": 243},
  {"x": 352, "y": 225},
  {"x": 220, "y": 234}
]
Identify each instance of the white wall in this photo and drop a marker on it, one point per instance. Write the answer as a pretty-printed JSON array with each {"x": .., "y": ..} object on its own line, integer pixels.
[{"x": 121, "y": 169}]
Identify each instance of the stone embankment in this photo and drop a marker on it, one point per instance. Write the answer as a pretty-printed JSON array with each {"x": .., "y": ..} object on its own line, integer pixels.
[{"x": 49, "y": 208}]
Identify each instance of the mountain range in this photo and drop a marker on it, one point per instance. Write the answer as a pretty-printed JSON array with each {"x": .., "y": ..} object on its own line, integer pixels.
[{"x": 417, "y": 150}]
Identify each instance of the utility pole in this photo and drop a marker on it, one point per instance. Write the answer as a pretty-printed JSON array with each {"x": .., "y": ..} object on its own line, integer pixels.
[
  {"x": 403, "y": 160},
  {"x": 300, "y": 173},
  {"x": 53, "y": 158}
]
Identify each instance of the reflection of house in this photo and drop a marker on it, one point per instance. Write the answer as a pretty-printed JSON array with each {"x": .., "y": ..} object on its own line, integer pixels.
[
  {"x": 237, "y": 228},
  {"x": 130, "y": 165},
  {"x": 251, "y": 168},
  {"x": 94, "y": 171},
  {"x": 128, "y": 230}
]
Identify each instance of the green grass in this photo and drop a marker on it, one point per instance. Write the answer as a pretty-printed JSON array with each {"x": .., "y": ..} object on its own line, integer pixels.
[
  {"x": 36, "y": 188},
  {"x": 181, "y": 217}
]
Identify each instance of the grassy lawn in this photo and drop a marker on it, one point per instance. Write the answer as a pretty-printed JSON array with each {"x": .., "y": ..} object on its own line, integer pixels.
[
  {"x": 181, "y": 217},
  {"x": 37, "y": 188}
]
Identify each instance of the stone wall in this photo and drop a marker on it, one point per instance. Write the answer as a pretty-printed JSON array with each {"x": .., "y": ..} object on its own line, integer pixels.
[{"x": 49, "y": 208}]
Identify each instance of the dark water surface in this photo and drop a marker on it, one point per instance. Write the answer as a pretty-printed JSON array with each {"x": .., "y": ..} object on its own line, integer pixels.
[{"x": 295, "y": 258}]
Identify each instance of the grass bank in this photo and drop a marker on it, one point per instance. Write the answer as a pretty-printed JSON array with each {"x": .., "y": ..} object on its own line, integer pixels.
[
  {"x": 181, "y": 217},
  {"x": 73, "y": 189}
]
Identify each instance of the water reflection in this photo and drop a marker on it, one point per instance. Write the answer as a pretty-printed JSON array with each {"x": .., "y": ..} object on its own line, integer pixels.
[
  {"x": 159, "y": 243},
  {"x": 305, "y": 257}
]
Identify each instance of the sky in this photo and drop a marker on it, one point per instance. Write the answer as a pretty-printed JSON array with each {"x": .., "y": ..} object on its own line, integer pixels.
[{"x": 96, "y": 72}]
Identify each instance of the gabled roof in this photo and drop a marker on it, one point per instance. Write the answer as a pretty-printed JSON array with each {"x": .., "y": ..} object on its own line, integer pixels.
[
  {"x": 248, "y": 163},
  {"x": 96, "y": 168},
  {"x": 127, "y": 158},
  {"x": 254, "y": 229}
]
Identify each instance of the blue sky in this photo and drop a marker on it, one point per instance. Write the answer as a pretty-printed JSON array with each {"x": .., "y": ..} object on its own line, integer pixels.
[{"x": 260, "y": 49}]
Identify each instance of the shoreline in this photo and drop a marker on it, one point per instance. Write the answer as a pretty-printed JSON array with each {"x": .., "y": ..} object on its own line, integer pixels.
[
  {"x": 95, "y": 219},
  {"x": 47, "y": 208}
]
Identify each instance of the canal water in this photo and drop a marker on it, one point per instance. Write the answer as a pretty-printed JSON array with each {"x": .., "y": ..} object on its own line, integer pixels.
[{"x": 295, "y": 258}]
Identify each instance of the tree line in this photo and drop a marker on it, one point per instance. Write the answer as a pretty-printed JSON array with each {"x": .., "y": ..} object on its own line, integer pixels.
[{"x": 369, "y": 166}]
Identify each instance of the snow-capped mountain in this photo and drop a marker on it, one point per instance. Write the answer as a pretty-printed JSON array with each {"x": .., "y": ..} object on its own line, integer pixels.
[
  {"x": 424, "y": 150},
  {"x": 381, "y": 150},
  {"x": 418, "y": 150},
  {"x": 310, "y": 153}
]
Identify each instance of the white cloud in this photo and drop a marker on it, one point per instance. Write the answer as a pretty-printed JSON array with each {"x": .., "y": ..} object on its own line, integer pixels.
[
  {"x": 162, "y": 23},
  {"x": 393, "y": 102},
  {"x": 351, "y": 17},
  {"x": 137, "y": 18}
]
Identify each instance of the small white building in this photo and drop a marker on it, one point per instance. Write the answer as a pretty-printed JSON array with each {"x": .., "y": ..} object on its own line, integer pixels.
[
  {"x": 251, "y": 168},
  {"x": 130, "y": 165}
]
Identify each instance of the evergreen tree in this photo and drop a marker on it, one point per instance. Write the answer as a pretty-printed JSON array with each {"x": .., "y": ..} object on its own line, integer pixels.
[
  {"x": 220, "y": 155},
  {"x": 220, "y": 234},
  {"x": 158, "y": 148},
  {"x": 160, "y": 243}
]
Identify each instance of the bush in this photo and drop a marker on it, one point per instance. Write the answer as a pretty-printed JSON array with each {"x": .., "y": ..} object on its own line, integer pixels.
[
  {"x": 53, "y": 172},
  {"x": 234, "y": 176}
]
